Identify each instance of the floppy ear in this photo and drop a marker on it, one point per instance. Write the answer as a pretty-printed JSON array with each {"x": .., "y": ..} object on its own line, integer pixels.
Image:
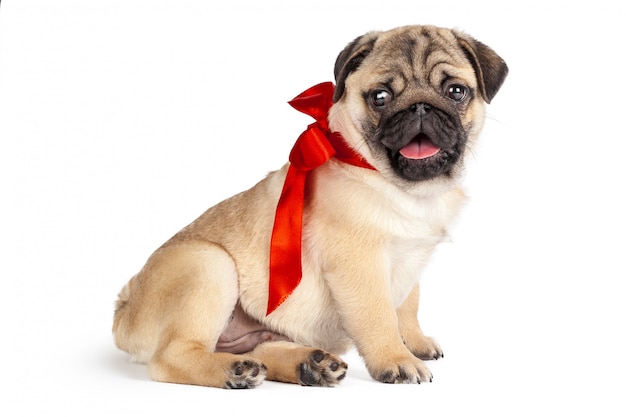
[
  {"x": 349, "y": 60},
  {"x": 491, "y": 70}
]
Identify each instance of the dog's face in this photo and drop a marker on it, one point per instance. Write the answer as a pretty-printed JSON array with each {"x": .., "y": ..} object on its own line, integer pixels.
[{"x": 411, "y": 100}]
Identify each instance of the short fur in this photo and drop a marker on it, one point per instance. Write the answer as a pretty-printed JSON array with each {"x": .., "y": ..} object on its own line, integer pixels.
[{"x": 195, "y": 313}]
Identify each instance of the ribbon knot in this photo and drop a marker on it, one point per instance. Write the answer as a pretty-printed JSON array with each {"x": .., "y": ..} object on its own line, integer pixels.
[{"x": 314, "y": 147}]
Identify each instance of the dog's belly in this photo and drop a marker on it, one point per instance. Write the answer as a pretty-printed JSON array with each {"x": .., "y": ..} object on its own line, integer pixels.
[
  {"x": 310, "y": 317},
  {"x": 298, "y": 320},
  {"x": 244, "y": 333}
]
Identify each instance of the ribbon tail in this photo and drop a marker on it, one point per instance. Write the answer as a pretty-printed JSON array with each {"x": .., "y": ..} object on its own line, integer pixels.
[
  {"x": 286, "y": 244},
  {"x": 314, "y": 147}
]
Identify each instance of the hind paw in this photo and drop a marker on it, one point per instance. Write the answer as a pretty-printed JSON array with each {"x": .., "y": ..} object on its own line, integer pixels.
[
  {"x": 245, "y": 374},
  {"x": 321, "y": 369}
]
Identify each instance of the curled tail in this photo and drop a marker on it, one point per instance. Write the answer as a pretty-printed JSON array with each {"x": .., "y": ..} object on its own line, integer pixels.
[
  {"x": 122, "y": 299},
  {"x": 120, "y": 318}
]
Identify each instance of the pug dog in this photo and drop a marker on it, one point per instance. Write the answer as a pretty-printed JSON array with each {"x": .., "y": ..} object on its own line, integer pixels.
[{"x": 410, "y": 102}]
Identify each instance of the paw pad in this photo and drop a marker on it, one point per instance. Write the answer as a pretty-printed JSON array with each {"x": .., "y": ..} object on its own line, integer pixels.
[
  {"x": 246, "y": 374},
  {"x": 322, "y": 370}
]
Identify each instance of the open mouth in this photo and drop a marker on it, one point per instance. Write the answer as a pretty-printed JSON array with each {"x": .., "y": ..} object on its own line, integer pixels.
[
  {"x": 421, "y": 147},
  {"x": 421, "y": 159}
]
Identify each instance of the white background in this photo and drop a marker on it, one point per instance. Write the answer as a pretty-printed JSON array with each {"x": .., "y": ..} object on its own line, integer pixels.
[{"x": 121, "y": 121}]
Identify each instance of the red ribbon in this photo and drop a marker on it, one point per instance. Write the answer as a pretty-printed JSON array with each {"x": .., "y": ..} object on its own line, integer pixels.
[{"x": 314, "y": 147}]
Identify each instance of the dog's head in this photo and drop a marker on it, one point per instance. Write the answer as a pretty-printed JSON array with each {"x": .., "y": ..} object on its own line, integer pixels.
[{"x": 412, "y": 99}]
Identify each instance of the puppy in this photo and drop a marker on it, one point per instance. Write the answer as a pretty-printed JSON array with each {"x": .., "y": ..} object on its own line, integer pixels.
[{"x": 208, "y": 307}]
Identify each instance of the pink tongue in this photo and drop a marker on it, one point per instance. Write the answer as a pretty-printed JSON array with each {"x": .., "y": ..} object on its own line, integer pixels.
[{"x": 419, "y": 148}]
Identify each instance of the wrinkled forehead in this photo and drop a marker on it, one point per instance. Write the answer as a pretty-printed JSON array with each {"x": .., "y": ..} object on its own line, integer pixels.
[{"x": 422, "y": 55}]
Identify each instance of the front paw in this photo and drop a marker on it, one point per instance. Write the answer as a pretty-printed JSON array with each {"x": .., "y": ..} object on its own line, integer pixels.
[
  {"x": 407, "y": 370},
  {"x": 425, "y": 348}
]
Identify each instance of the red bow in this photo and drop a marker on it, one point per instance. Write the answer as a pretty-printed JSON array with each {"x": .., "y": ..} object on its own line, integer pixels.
[{"x": 314, "y": 147}]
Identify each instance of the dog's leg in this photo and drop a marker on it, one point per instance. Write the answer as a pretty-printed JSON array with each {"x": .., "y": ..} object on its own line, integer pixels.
[
  {"x": 421, "y": 346},
  {"x": 297, "y": 364},
  {"x": 172, "y": 313},
  {"x": 184, "y": 361},
  {"x": 369, "y": 317}
]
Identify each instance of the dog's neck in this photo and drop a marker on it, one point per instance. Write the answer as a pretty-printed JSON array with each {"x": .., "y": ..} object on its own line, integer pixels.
[{"x": 314, "y": 147}]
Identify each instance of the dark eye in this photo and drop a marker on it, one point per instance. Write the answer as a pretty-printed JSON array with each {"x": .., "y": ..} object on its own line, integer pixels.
[
  {"x": 457, "y": 92},
  {"x": 380, "y": 98}
]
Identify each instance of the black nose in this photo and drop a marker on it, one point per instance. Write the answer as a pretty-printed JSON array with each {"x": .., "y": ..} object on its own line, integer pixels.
[{"x": 420, "y": 108}]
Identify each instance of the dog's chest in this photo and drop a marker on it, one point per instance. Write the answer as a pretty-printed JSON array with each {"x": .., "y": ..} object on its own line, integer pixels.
[
  {"x": 405, "y": 260},
  {"x": 403, "y": 228},
  {"x": 415, "y": 226}
]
